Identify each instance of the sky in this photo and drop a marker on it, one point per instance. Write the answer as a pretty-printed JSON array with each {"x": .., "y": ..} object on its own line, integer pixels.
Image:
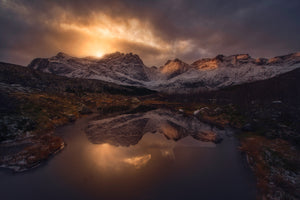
[{"x": 156, "y": 30}]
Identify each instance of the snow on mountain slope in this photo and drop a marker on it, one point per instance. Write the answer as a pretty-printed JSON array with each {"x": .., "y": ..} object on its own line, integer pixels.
[
  {"x": 175, "y": 75},
  {"x": 223, "y": 71},
  {"x": 126, "y": 69}
]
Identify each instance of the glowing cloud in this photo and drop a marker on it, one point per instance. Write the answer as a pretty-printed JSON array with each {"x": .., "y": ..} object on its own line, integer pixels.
[{"x": 106, "y": 35}]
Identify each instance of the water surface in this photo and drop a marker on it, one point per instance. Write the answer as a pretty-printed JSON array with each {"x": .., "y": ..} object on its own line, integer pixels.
[{"x": 154, "y": 155}]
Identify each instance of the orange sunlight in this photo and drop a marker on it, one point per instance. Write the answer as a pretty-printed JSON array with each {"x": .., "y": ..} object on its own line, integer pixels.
[{"x": 106, "y": 35}]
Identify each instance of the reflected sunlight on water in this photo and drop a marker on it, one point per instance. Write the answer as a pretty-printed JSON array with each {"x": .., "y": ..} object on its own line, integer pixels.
[
  {"x": 111, "y": 157},
  {"x": 138, "y": 161}
]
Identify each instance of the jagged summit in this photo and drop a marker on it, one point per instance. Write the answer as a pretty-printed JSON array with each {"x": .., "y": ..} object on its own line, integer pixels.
[
  {"x": 174, "y": 67},
  {"x": 176, "y": 60},
  {"x": 61, "y": 55},
  {"x": 292, "y": 59},
  {"x": 126, "y": 57},
  {"x": 221, "y": 60},
  {"x": 114, "y": 54},
  {"x": 122, "y": 57},
  {"x": 241, "y": 59}
]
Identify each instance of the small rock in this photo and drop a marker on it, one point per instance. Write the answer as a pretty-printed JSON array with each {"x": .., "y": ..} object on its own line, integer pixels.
[
  {"x": 71, "y": 117},
  {"x": 84, "y": 110},
  {"x": 277, "y": 102},
  {"x": 248, "y": 127},
  {"x": 135, "y": 100},
  {"x": 203, "y": 110},
  {"x": 208, "y": 136},
  {"x": 196, "y": 112},
  {"x": 218, "y": 110}
]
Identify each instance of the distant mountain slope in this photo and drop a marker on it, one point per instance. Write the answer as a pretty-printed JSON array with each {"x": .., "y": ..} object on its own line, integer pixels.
[
  {"x": 175, "y": 75},
  {"x": 284, "y": 88},
  {"x": 281, "y": 89},
  {"x": 34, "y": 79}
]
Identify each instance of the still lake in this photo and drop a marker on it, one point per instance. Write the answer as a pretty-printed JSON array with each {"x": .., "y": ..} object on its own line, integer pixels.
[{"x": 153, "y": 155}]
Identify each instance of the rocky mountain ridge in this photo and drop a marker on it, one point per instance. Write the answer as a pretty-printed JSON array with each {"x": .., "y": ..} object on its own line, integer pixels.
[{"x": 175, "y": 75}]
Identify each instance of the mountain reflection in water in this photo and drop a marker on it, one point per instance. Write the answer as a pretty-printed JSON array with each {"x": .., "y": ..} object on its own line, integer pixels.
[
  {"x": 128, "y": 140},
  {"x": 128, "y": 129}
]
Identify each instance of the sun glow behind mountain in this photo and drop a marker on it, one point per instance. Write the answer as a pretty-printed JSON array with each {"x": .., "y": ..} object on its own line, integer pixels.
[
  {"x": 99, "y": 54},
  {"x": 104, "y": 35}
]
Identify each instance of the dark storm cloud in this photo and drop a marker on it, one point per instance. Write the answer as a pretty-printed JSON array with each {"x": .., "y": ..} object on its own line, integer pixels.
[{"x": 192, "y": 29}]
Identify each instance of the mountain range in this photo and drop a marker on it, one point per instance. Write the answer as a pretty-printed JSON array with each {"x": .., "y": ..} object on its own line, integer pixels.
[{"x": 175, "y": 75}]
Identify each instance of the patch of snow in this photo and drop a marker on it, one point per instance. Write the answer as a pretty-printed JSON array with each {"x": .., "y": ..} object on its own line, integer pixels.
[{"x": 196, "y": 112}]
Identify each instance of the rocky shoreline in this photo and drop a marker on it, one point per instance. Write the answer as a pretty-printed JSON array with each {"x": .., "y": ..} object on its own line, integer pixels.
[{"x": 33, "y": 152}]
